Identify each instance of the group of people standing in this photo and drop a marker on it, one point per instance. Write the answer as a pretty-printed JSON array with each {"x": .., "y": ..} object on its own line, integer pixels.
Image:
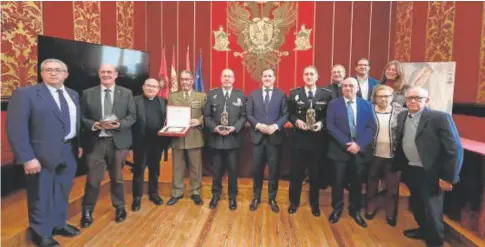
[{"x": 368, "y": 129}]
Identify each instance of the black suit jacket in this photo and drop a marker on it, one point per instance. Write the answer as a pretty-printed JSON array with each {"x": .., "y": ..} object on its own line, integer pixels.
[
  {"x": 438, "y": 145},
  {"x": 277, "y": 114},
  {"x": 236, "y": 109},
  {"x": 298, "y": 105},
  {"x": 139, "y": 128},
  {"x": 123, "y": 108},
  {"x": 336, "y": 90}
]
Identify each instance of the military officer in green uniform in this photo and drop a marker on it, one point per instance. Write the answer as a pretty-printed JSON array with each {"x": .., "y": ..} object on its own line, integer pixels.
[
  {"x": 191, "y": 144},
  {"x": 224, "y": 117},
  {"x": 307, "y": 108}
]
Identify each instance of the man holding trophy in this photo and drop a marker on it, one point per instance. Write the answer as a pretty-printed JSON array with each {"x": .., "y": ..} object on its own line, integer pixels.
[
  {"x": 307, "y": 108},
  {"x": 224, "y": 117}
]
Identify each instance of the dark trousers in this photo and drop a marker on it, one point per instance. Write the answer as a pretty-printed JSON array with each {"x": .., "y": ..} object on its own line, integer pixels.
[
  {"x": 147, "y": 156},
  {"x": 48, "y": 194},
  {"x": 355, "y": 172},
  {"x": 105, "y": 156},
  {"x": 391, "y": 180},
  {"x": 262, "y": 153},
  {"x": 301, "y": 161},
  {"x": 225, "y": 159},
  {"x": 427, "y": 207}
]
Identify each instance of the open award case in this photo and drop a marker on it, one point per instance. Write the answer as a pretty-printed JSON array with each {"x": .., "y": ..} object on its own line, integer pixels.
[{"x": 178, "y": 121}]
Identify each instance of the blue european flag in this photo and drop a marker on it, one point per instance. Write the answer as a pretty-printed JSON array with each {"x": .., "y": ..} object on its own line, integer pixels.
[{"x": 199, "y": 82}]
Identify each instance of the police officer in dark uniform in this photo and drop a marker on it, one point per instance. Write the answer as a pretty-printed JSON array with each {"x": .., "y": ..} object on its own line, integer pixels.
[
  {"x": 307, "y": 107},
  {"x": 224, "y": 117}
]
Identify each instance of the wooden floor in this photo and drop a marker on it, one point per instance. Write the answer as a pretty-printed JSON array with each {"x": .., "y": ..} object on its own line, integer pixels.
[{"x": 186, "y": 224}]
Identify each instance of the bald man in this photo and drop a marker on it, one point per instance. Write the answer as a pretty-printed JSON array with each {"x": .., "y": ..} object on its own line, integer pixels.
[
  {"x": 147, "y": 144},
  {"x": 108, "y": 141}
]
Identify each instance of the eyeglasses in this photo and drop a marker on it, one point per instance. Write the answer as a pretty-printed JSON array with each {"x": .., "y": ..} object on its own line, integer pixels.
[
  {"x": 185, "y": 79},
  {"x": 50, "y": 70},
  {"x": 383, "y": 96},
  {"x": 362, "y": 65},
  {"x": 152, "y": 86},
  {"x": 415, "y": 98}
]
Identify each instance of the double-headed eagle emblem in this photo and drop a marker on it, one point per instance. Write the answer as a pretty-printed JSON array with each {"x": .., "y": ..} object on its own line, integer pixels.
[{"x": 261, "y": 31}]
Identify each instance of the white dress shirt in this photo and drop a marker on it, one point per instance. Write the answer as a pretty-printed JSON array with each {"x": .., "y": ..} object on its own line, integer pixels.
[
  {"x": 364, "y": 88},
  {"x": 70, "y": 104}
]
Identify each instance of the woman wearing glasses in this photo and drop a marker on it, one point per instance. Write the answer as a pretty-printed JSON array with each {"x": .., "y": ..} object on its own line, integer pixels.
[
  {"x": 393, "y": 76},
  {"x": 386, "y": 112}
]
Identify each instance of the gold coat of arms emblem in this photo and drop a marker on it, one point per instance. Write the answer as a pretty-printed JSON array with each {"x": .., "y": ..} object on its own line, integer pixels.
[{"x": 261, "y": 31}]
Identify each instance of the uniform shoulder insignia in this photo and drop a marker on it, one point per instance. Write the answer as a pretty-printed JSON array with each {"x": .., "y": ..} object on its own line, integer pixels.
[
  {"x": 295, "y": 89},
  {"x": 213, "y": 89},
  {"x": 326, "y": 89}
]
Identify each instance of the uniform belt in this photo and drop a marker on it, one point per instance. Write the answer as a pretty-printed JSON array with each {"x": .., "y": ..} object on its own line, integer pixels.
[{"x": 105, "y": 137}]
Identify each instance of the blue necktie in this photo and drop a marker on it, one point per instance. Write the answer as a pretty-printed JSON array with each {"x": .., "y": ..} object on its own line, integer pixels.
[
  {"x": 65, "y": 111},
  {"x": 350, "y": 115},
  {"x": 266, "y": 99}
]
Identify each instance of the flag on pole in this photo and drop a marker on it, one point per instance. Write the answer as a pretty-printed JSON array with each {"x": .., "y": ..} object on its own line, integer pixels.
[
  {"x": 187, "y": 60},
  {"x": 173, "y": 74},
  {"x": 163, "y": 74},
  {"x": 199, "y": 82}
]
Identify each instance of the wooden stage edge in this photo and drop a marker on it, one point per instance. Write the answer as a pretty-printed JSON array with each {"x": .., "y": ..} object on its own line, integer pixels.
[{"x": 15, "y": 222}]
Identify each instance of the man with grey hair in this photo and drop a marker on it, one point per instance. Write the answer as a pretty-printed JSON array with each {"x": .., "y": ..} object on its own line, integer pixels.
[
  {"x": 43, "y": 131},
  {"x": 337, "y": 76},
  {"x": 351, "y": 125},
  {"x": 429, "y": 154},
  {"x": 147, "y": 144},
  {"x": 108, "y": 112}
]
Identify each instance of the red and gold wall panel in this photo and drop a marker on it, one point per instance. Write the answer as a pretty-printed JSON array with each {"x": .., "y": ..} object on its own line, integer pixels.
[
  {"x": 21, "y": 22},
  {"x": 439, "y": 33},
  {"x": 404, "y": 27},
  {"x": 124, "y": 24},
  {"x": 481, "y": 75},
  {"x": 87, "y": 21}
]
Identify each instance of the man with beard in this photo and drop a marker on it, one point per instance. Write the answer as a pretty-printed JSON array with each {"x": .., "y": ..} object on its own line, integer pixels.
[
  {"x": 228, "y": 105},
  {"x": 108, "y": 112},
  {"x": 366, "y": 83}
]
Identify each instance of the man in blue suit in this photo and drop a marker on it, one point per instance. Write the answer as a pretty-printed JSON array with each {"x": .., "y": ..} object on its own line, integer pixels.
[
  {"x": 365, "y": 83},
  {"x": 350, "y": 123},
  {"x": 267, "y": 112},
  {"x": 43, "y": 130}
]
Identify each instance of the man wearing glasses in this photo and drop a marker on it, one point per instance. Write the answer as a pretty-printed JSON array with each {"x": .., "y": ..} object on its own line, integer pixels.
[
  {"x": 191, "y": 144},
  {"x": 147, "y": 144},
  {"x": 43, "y": 130},
  {"x": 108, "y": 112},
  {"x": 429, "y": 154},
  {"x": 365, "y": 83}
]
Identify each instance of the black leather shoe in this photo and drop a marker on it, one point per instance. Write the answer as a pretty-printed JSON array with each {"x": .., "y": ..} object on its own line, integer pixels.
[
  {"x": 254, "y": 204},
  {"x": 120, "y": 214},
  {"x": 213, "y": 202},
  {"x": 358, "y": 219},
  {"x": 315, "y": 210},
  {"x": 87, "y": 217},
  {"x": 156, "y": 199},
  {"x": 173, "y": 200},
  {"x": 197, "y": 200},
  {"x": 232, "y": 204},
  {"x": 335, "y": 216},
  {"x": 274, "y": 206},
  {"x": 136, "y": 204},
  {"x": 43, "y": 241},
  {"x": 292, "y": 209},
  {"x": 391, "y": 221},
  {"x": 416, "y": 233},
  {"x": 67, "y": 231},
  {"x": 369, "y": 215}
]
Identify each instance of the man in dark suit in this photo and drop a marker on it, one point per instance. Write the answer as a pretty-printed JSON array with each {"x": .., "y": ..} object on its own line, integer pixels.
[
  {"x": 365, "y": 82},
  {"x": 337, "y": 76},
  {"x": 351, "y": 124},
  {"x": 108, "y": 112},
  {"x": 307, "y": 137},
  {"x": 43, "y": 130},
  {"x": 147, "y": 144},
  {"x": 430, "y": 155},
  {"x": 267, "y": 111},
  {"x": 228, "y": 104}
]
